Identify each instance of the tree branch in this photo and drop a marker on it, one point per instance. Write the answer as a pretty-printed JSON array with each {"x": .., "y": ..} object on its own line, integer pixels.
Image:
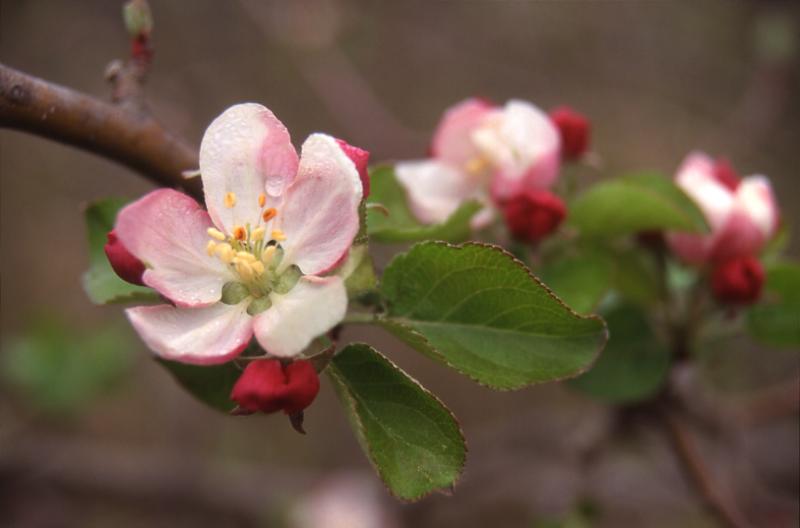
[
  {"x": 697, "y": 472},
  {"x": 119, "y": 133}
]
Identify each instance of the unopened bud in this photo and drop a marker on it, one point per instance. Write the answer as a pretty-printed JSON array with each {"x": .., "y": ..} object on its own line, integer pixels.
[
  {"x": 138, "y": 18},
  {"x": 360, "y": 159},
  {"x": 267, "y": 386},
  {"x": 738, "y": 281},
  {"x": 124, "y": 264},
  {"x": 532, "y": 215},
  {"x": 574, "y": 129}
]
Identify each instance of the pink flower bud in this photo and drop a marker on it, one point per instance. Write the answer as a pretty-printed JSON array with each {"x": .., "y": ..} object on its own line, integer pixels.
[
  {"x": 532, "y": 215},
  {"x": 360, "y": 158},
  {"x": 267, "y": 385},
  {"x": 574, "y": 129},
  {"x": 738, "y": 281},
  {"x": 124, "y": 264},
  {"x": 741, "y": 213}
]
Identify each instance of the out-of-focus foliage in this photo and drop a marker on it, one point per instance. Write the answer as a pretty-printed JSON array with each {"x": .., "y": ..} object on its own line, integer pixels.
[
  {"x": 398, "y": 224},
  {"x": 56, "y": 368},
  {"x": 775, "y": 320},
  {"x": 635, "y": 203}
]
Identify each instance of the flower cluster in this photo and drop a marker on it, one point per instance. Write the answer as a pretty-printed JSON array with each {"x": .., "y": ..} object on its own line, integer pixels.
[
  {"x": 742, "y": 215},
  {"x": 503, "y": 157},
  {"x": 257, "y": 262}
]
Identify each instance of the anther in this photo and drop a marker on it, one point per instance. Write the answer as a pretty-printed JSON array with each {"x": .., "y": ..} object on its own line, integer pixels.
[
  {"x": 230, "y": 199},
  {"x": 262, "y": 199},
  {"x": 278, "y": 235},
  {"x": 239, "y": 233},
  {"x": 245, "y": 256},
  {"x": 269, "y": 214},
  {"x": 257, "y": 267},
  {"x": 211, "y": 248},
  {"x": 216, "y": 234},
  {"x": 258, "y": 234}
]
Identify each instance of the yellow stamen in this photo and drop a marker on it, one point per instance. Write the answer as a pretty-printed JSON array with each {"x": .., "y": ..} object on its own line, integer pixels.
[
  {"x": 245, "y": 256},
  {"x": 476, "y": 165},
  {"x": 258, "y": 234},
  {"x": 258, "y": 267},
  {"x": 230, "y": 199},
  {"x": 225, "y": 252},
  {"x": 239, "y": 233},
  {"x": 278, "y": 235},
  {"x": 216, "y": 234},
  {"x": 262, "y": 199},
  {"x": 245, "y": 270},
  {"x": 211, "y": 248},
  {"x": 267, "y": 255},
  {"x": 269, "y": 214}
]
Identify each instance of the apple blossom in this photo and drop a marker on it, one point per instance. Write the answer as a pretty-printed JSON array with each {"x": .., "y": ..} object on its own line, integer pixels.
[
  {"x": 482, "y": 152},
  {"x": 574, "y": 129},
  {"x": 255, "y": 263},
  {"x": 742, "y": 213}
]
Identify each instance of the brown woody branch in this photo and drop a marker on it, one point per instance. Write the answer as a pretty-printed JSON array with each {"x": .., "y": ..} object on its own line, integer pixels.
[
  {"x": 118, "y": 132},
  {"x": 698, "y": 473}
]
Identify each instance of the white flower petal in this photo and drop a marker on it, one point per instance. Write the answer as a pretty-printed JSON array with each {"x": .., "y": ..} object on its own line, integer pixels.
[
  {"x": 435, "y": 189},
  {"x": 166, "y": 230},
  {"x": 311, "y": 308},
  {"x": 245, "y": 152},
  {"x": 208, "y": 335},
  {"x": 319, "y": 213}
]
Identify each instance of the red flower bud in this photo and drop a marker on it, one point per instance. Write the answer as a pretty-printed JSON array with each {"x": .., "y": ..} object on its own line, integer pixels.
[
  {"x": 575, "y": 131},
  {"x": 726, "y": 174},
  {"x": 360, "y": 158},
  {"x": 738, "y": 281},
  {"x": 128, "y": 267},
  {"x": 268, "y": 386},
  {"x": 532, "y": 215}
]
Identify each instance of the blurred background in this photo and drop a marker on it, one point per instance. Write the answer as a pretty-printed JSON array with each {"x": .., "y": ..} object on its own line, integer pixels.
[{"x": 94, "y": 433}]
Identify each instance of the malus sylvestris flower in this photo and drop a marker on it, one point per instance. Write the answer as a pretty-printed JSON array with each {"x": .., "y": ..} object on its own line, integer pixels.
[
  {"x": 741, "y": 213},
  {"x": 482, "y": 152},
  {"x": 125, "y": 265},
  {"x": 255, "y": 263}
]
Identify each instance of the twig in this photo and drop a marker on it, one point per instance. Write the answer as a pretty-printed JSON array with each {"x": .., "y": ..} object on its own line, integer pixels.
[
  {"x": 697, "y": 472},
  {"x": 132, "y": 138}
]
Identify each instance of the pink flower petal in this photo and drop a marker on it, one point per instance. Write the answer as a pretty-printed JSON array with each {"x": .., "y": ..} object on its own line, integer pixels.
[
  {"x": 166, "y": 230},
  {"x": 754, "y": 197},
  {"x": 452, "y": 141},
  {"x": 319, "y": 213},
  {"x": 531, "y": 154},
  {"x": 696, "y": 177},
  {"x": 203, "y": 336},
  {"x": 245, "y": 151},
  {"x": 311, "y": 308},
  {"x": 435, "y": 189}
]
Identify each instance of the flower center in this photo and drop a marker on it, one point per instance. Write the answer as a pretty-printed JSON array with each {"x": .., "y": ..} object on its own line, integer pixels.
[{"x": 254, "y": 258}]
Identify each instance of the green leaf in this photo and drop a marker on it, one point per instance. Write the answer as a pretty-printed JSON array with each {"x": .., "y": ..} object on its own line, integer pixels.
[
  {"x": 358, "y": 271},
  {"x": 635, "y": 203},
  {"x": 102, "y": 285},
  {"x": 412, "y": 439},
  {"x": 60, "y": 370},
  {"x": 580, "y": 280},
  {"x": 479, "y": 310},
  {"x": 400, "y": 225},
  {"x": 634, "y": 364},
  {"x": 775, "y": 321},
  {"x": 210, "y": 384}
]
